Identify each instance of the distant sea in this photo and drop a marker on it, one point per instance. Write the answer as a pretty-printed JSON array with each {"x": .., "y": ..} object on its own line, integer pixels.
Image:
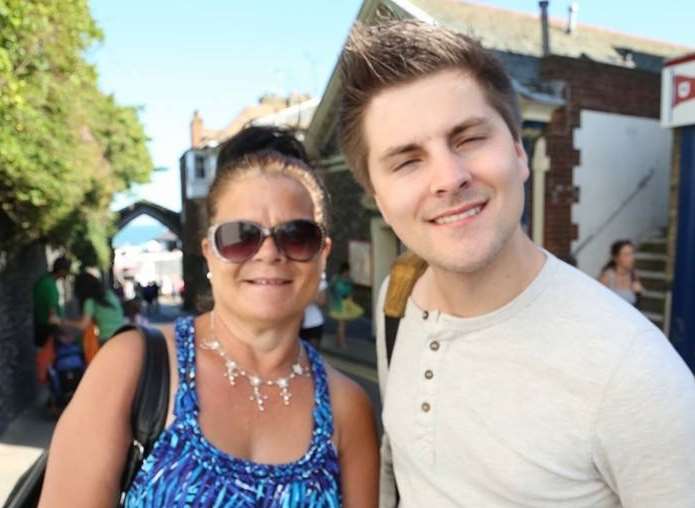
[{"x": 136, "y": 234}]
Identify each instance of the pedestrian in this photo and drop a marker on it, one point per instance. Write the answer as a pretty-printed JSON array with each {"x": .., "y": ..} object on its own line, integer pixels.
[
  {"x": 100, "y": 307},
  {"x": 619, "y": 273},
  {"x": 312, "y": 323},
  {"x": 515, "y": 379},
  {"x": 342, "y": 307},
  {"x": 48, "y": 312},
  {"x": 258, "y": 418},
  {"x": 132, "y": 310},
  {"x": 150, "y": 294}
]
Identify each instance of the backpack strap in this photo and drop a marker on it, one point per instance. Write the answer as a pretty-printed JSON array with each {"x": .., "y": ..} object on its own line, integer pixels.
[
  {"x": 405, "y": 272},
  {"x": 149, "y": 409}
]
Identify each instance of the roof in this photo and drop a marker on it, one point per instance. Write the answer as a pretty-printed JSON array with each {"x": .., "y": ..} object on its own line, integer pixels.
[
  {"x": 515, "y": 37},
  {"x": 518, "y": 32},
  {"x": 298, "y": 116}
]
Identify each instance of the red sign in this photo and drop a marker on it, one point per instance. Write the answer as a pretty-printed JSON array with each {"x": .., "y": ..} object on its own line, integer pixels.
[{"x": 683, "y": 89}]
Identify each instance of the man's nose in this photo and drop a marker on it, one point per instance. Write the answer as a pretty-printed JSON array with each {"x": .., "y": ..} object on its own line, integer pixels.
[{"x": 449, "y": 172}]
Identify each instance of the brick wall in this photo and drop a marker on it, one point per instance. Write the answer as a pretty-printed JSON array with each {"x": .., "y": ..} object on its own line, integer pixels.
[
  {"x": 592, "y": 86},
  {"x": 17, "y": 370}
]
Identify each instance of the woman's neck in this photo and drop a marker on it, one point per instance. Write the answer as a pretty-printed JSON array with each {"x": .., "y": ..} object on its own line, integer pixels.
[
  {"x": 621, "y": 270},
  {"x": 262, "y": 349}
]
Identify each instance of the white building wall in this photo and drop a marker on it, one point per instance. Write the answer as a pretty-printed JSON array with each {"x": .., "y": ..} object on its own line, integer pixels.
[
  {"x": 197, "y": 187},
  {"x": 618, "y": 153}
]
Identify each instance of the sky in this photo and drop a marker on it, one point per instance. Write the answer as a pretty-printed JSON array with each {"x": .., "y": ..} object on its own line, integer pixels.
[{"x": 172, "y": 57}]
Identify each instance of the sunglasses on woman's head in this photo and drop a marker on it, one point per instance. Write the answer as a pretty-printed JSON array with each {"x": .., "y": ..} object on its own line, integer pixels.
[{"x": 238, "y": 241}]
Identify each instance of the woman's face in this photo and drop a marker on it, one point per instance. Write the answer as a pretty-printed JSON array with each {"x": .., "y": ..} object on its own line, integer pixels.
[
  {"x": 268, "y": 288},
  {"x": 626, "y": 257}
]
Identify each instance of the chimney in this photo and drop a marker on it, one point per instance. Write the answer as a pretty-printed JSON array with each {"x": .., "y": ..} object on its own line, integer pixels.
[
  {"x": 544, "y": 26},
  {"x": 196, "y": 130},
  {"x": 572, "y": 18}
]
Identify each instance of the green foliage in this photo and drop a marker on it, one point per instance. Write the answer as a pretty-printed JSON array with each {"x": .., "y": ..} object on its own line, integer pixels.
[{"x": 65, "y": 147}]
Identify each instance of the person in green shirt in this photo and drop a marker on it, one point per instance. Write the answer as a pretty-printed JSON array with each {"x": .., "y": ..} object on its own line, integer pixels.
[
  {"x": 48, "y": 310},
  {"x": 98, "y": 304}
]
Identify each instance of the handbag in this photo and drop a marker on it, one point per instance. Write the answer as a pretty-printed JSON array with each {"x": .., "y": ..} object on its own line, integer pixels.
[{"x": 147, "y": 420}]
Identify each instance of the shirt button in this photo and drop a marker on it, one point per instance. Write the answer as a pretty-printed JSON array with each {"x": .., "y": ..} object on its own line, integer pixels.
[
  {"x": 425, "y": 314},
  {"x": 429, "y": 374},
  {"x": 425, "y": 407},
  {"x": 434, "y": 345}
]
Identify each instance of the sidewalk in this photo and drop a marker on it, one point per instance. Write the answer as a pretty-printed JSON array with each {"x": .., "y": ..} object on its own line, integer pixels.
[
  {"x": 23, "y": 442},
  {"x": 360, "y": 350},
  {"x": 361, "y": 347}
]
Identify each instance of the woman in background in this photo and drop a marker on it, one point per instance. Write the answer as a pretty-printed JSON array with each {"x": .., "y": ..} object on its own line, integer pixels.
[
  {"x": 619, "y": 272},
  {"x": 100, "y": 306},
  {"x": 342, "y": 307}
]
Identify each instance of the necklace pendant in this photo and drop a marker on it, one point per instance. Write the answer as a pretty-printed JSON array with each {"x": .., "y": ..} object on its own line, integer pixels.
[
  {"x": 258, "y": 397},
  {"x": 232, "y": 371}
]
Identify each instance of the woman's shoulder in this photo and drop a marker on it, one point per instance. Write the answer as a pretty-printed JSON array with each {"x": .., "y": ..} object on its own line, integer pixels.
[
  {"x": 354, "y": 420},
  {"x": 348, "y": 399},
  {"x": 607, "y": 275}
]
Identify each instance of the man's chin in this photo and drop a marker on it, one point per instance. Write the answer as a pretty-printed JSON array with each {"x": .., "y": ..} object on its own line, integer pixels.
[{"x": 458, "y": 259}]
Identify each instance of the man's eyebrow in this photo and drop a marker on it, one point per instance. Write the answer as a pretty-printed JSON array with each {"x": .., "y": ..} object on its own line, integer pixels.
[
  {"x": 456, "y": 129},
  {"x": 398, "y": 150},
  {"x": 476, "y": 121}
]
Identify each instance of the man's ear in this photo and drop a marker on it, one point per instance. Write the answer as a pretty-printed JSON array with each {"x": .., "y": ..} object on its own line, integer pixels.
[
  {"x": 381, "y": 209},
  {"x": 522, "y": 159}
]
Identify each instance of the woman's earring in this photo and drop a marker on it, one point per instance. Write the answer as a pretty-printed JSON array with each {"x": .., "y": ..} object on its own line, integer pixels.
[{"x": 209, "y": 276}]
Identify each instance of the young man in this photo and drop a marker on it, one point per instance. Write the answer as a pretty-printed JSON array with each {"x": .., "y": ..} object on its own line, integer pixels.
[
  {"x": 48, "y": 313},
  {"x": 516, "y": 380}
]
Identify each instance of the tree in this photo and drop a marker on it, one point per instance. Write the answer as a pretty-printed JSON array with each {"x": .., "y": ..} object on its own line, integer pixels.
[{"x": 65, "y": 147}]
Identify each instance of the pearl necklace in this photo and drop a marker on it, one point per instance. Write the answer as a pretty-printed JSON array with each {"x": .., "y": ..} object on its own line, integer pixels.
[{"x": 233, "y": 371}]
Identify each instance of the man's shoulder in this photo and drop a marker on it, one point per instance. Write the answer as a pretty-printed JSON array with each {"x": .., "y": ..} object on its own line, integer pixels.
[
  {"x": 580, "y": 311},
  {"x": 574, "y": 293},
  {"x": 45, "y": 283}
]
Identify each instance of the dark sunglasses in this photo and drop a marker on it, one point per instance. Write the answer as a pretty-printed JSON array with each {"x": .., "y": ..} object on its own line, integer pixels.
[{"x": 238, "y": 241}]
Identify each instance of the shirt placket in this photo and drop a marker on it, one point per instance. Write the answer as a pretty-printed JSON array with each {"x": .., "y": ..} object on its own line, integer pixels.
[{"x": 428, "y": 387}]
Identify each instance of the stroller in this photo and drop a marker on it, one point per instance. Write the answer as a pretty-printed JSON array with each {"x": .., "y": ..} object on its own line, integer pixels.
[{"x": 65, "y": 373}]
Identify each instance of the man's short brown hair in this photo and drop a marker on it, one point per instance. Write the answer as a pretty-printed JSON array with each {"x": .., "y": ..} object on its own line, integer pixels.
[{"x": 399, "y": 52}]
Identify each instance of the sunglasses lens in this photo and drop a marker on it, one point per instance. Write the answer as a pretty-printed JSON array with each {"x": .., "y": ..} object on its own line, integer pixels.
[
  {"x": 237, "y": 241},
  {"x": 300, "y": 240}
]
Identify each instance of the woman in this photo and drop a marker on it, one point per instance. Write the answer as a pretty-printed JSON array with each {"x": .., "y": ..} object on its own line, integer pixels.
[
  {"x": 619, "y": 273},
  {"x": 342, "y": 307},
  {"x": 100, "y": 306},
  {"x": 256, "y": 418}
]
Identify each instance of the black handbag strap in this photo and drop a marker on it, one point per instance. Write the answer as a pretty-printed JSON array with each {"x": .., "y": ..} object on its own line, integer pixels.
[{"x": 150, "y": 404}]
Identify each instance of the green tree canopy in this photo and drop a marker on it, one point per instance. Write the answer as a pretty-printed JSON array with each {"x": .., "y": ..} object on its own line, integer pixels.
[{"x": 65, "y": 147}]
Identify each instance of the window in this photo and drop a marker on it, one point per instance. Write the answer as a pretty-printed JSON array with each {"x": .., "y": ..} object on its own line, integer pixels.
[{"x": 200, "y": 166}]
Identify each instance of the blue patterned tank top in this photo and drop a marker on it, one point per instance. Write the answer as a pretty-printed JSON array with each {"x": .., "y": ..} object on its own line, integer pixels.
[{"x": 185, "y": 470}]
